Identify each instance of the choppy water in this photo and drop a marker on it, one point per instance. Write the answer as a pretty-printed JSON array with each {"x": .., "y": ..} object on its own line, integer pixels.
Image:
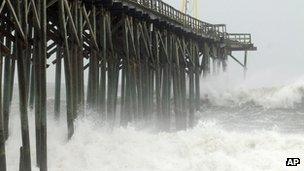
[{"x": 243, "y": 129}]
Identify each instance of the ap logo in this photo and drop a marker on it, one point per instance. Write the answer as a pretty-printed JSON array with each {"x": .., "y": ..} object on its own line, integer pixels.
[{"x": 292, "y": 161}]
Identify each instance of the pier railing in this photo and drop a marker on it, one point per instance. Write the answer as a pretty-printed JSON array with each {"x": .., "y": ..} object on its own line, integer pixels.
[
  {"x": 242, "y": 38},
  {"x": 185, "y": 21}
]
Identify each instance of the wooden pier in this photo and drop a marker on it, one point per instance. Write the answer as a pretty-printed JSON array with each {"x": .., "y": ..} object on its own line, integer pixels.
[{"x": 145, "y": 62}]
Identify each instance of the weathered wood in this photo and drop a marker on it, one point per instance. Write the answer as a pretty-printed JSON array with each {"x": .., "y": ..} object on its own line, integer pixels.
[
  {"x": 245, "y": 63},
  {"x": 94, "y": 68},
  {"x": 2, "y": 132},
  {"x": 67, "y": 68},
  {"x": 126, "y": 82},
  {"x": 58, "y": 83},
  {"x": 86, "y": 17},
  {"x": 7, "y": 87},
  {"x": 71, "y": 20},
  {"x": 197, "y": 80},
  {"x": 166, "y": 90},
  {"x": 42, "y": 75},
  {"x": 75, "y": 48},
  {"x": 20, "y": 53},
  {"x": 157, "y": 76},
  {"x": 2, "y": 6},
  {"x": 32, "y": 87},
  {"x": 16, "y": 18},
  {"x": 206, "y": 60},
  {"x": 102, "y": 80},
  {"x": 80, "y": 56},
  {"x": 234, "y": 58},
  {"x": 36, "y": 93}
]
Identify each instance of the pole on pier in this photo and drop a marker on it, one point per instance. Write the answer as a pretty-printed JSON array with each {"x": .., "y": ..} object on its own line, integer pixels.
[{"x": 245, "y": 64}]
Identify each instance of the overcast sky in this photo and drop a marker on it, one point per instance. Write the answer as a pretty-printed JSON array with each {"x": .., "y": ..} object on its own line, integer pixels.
[{"x": 277, "y": 27}]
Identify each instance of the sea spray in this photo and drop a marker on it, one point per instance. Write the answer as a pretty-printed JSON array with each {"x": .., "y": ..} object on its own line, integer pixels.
[
  {"x": 228, "y": 93},
  {"x": 226, "y": 137},
  {"x": 207, "y": 146}
]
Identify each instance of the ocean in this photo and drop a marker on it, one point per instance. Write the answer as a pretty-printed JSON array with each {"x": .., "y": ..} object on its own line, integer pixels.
[{"x": 240, "y": 129}]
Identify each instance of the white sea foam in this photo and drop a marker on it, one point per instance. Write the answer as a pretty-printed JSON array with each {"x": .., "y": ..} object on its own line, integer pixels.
[
  {"x": 205, "y": 147},
  {"x": 228, "y": 93}
]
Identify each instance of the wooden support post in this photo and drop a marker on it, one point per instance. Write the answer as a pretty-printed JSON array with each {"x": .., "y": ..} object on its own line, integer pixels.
[
  {"x": 58, "y": 83},
  {"x": 132, "y": 65},
  {"x": 166, "y": 81},
  {"x": 7, "y": 87},
  {"x": 157, "y": 77},
  {"x": 214, "y": 60},
  {"x": 36, "y": 62},
  {"x": 2, "y": 133},
  {"x": 151, "y": 90},
  {"x": 110, "y": 100},
  {"x": 20, "y": 54},
  {"x": 42, "y": 75},
  {"x": 113, "y": 74},
  {"x": 93, "y": 70},
  {"x": 245, "y": 64},
  {"x": 183, "y": 96},
  {"x": 179, "y": 121},
  {"x": 219, "y": 60},
  {"x": 145, "y": 91},
  {"x": 67, "y": 67},
  {"x": 115, "y": 94},
  {"x": 122, "y": 97},
  {"x": 206, "y": 60},
  {"x": 191, "y": 98},
  {"x": 71, "y": 11},
  {"x": 197, "y": 79},
  {"x": 102, "y": 80},
  {"x": 137, "y": 36},
  {"x": 12, "y": 79},
  {"x": 126, "y": 78},
  {"x": 80, "y": 72},
  {"x": 191, "y": 71},
  {"x": 224, "y": 62},
  {"x": 32, "y": 87}
]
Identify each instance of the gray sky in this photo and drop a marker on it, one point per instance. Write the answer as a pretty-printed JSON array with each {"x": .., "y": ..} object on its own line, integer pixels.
[{"x": 277, "y": 27}]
